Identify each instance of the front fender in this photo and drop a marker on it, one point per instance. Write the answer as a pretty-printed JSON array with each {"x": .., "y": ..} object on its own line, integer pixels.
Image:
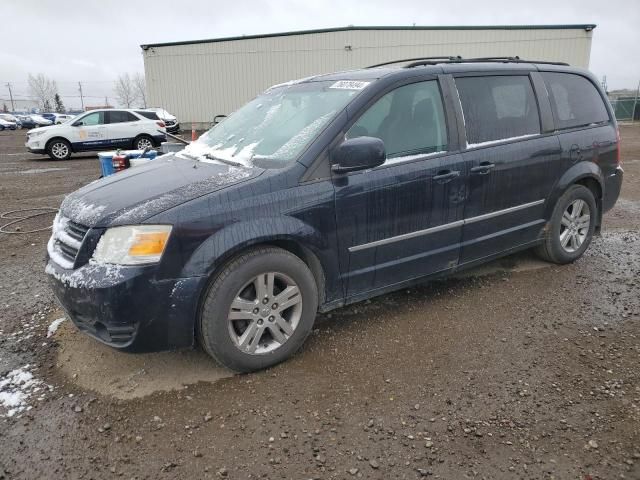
[{"x": 224, "y": 243}]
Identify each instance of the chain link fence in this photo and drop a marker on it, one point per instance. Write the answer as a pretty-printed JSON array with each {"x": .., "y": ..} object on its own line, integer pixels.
[{"x": 626, "y": 105}]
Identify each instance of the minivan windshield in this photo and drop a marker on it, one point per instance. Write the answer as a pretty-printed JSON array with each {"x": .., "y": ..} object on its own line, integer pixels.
[{"x": 273, "y": 129}]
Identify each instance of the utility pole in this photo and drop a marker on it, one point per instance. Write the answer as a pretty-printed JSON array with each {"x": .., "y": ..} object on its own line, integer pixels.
[
  {"x": 13, "y": 107},
  {"x": 81, "y": 98},
  {"x": 635, "y": 103}
]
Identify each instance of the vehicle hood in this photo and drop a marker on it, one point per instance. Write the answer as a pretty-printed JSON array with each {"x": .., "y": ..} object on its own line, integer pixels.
[
  {"x": 136, "y": 194},
  {"x": 47, "y": 128}
]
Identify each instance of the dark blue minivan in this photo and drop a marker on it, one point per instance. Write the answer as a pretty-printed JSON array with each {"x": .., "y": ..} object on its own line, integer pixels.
[{"x": 333, "y": 189}]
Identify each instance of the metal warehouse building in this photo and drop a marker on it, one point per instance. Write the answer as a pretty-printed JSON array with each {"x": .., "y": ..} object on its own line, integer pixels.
[{"x": 196, "y": 80}]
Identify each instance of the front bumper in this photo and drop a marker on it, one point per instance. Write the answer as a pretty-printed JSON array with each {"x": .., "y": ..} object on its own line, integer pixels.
[
  {"x": 127, "y": 307},
  {"x": 35, "y": 145},
  {"x": 173, "y": 128}
]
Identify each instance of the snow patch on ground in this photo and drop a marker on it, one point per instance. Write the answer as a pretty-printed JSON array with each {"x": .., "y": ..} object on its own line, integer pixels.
[
  {"x": 53, "y": 326},
  {"x": 17, "y": 387}
]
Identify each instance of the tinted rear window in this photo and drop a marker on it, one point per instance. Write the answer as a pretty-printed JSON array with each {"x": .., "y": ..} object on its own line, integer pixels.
[
  {"x": 118, "y": 116},
  {"x": 574, "y": 100},
  {"x": 498, "y": 107},
  {"x": 149, "y": 115}
]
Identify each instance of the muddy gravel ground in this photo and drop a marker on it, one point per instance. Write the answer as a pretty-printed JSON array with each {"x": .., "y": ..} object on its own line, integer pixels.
[{"x": 517, "y": 370}]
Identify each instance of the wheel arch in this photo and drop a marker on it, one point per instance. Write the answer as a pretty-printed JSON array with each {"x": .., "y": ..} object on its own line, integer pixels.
[
  {"x": 58, "y": 137},
  {"x": 141, "y": 135},
  {"x": 587, "y": 174}
]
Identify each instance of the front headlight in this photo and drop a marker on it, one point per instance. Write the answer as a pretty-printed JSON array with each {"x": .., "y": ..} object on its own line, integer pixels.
[
  {"x": 35, "y": 134},
  {"x": 132, "y": 245}
]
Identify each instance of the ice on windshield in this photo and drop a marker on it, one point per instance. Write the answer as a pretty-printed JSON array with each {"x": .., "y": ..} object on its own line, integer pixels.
[{"x": 276, "y": 126}]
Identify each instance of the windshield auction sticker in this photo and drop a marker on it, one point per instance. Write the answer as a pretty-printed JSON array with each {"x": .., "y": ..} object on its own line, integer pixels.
[{"x": 349, "y": 85}]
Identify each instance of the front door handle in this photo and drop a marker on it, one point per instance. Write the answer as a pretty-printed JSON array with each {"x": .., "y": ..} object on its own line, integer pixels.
[{"x": 444, "y": 176}]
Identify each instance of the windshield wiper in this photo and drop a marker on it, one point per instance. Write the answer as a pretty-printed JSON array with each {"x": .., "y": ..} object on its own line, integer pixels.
[{"x": 223, "y": 160}]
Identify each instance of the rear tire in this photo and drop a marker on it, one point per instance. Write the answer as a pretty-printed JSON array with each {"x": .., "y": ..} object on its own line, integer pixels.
[
  {"x": 59, "y": 149},
  {"x": 142, "y": 141},
  {"x": 571, "y": 227},
  {"x": 258, "y": 310}
]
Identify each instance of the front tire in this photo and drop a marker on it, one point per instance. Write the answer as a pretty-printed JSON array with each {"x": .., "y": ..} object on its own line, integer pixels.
[
  {"x": 59, "y": 149},
  {"x": 258, "y": 310},
  {"x": 571, "y": 227}
]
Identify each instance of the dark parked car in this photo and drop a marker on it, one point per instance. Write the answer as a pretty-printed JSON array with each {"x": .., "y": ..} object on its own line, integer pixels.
[
  {"x": 49, "y": 116},
  {"x": 331, "y": 190}
]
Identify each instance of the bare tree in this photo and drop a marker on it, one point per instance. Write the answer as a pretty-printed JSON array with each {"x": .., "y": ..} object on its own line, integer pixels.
[
  {"x": 140, "y": 87},
  {"x": 125, "y": 90},
  {"x": 43, "y": 89}
]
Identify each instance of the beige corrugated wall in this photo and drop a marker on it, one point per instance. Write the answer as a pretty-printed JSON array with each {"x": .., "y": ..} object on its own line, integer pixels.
[{"x": 197, "y": 81}]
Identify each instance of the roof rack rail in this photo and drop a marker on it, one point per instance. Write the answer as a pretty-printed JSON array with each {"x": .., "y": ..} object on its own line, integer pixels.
[
  {"x": 430, "y": 59},
  {"x": 515, "y": 59},
  {"x": 423, "y": 61}
]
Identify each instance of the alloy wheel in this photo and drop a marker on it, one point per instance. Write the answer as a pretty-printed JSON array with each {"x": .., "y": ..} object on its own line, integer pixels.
[
  {"x": 574, "y": 226},
  {"x": 144, "y": 143},
  {"x": 59, "y": 150},
  {"x": 265, "y": 313}
]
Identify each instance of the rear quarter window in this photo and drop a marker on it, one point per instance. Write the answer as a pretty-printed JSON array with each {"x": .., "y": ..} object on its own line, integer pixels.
[
  {"x": 149, "y": 115},
  {"x": 499, "y": 107},
  {"x": 575, "y": 101}
]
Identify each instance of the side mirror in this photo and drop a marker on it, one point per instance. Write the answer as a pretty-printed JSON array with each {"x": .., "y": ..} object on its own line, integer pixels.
[
  {"x": 78, "y": 124},
  {"x": 359, "y": 153},
  {"x": 218, "y": 118}
]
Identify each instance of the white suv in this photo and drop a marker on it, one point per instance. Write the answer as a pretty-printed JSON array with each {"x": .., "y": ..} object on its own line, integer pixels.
[{"x": 96, "y": 130}]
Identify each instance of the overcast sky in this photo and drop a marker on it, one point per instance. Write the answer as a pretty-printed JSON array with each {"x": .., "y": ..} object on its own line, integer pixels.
[{"x": 92, "y": 42}]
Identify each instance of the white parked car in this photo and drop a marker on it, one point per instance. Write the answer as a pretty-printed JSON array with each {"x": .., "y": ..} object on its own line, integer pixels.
[
  {"x": 62, "y": 118},
  {"x": 170, "y": 120},
  {"x": 40, "y": 121},
  {"x": 7, "y": 125},
  {"x": 97, "y": 130}
]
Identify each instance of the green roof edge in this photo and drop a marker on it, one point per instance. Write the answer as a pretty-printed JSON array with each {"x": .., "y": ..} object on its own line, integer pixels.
[{"x": 586, "y": 26}]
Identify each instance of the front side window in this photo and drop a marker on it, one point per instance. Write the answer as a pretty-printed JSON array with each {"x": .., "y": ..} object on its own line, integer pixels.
[
  {"x": 275, "y": 128},
  {"x": 574, "y": 100},
  {"x": 498, "y": 108},
  {"x": 95, "y": 118},
  {"x": 409, "y": 120}
]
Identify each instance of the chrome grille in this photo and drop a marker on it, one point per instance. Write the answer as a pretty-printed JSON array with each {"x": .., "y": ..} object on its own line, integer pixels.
[{"x": 65, "y": 241}]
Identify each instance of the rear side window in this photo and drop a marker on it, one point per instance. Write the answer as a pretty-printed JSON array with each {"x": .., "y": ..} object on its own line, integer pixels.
[
  {"x": 575, "y": 101},
  {"x": 149, "y": 115},
  {"x": 498, "y": 108},
  {"x": 409, "y": 120},
  {"x": 119, "y": 116}
]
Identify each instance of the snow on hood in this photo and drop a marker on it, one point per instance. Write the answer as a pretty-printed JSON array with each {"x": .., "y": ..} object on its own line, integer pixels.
[{"x": 136, "y": 194}]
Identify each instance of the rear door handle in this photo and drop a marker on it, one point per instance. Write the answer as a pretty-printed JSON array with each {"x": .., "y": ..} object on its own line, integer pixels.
[
  {"x": 444, "y": 176},
  {"x": 483, "y": 168}
]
